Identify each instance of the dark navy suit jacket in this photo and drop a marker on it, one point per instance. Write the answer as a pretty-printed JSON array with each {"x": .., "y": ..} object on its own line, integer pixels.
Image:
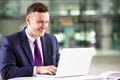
[{"x": 16, "y": 56}]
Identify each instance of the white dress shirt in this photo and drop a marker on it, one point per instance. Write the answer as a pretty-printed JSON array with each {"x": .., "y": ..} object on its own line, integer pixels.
[{"x": 31, "y": 43}]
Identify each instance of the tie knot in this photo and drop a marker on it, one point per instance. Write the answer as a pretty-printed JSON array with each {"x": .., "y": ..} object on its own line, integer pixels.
[{"x": 35, "y": 42}]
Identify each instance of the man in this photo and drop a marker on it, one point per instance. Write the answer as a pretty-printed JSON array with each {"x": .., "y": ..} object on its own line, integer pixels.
[{"x": 17, "y": 57}]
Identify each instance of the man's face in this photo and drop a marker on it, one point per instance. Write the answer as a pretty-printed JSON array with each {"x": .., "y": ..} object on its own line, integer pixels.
[{"x": 37, "y": 23}]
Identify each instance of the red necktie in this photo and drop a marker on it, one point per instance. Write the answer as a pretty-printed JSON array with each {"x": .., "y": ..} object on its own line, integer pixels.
[{"x": 37, "y": 54}]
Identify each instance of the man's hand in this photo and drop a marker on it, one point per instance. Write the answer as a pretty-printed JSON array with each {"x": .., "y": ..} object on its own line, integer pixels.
[{"x": 46, "y": 70}]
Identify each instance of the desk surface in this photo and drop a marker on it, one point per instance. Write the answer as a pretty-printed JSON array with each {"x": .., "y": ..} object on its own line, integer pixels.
[{"x": 66, "y": 78}]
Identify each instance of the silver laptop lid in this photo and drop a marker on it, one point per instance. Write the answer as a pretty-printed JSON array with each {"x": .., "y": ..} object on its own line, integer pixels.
[{"x": 74, "y": 61}]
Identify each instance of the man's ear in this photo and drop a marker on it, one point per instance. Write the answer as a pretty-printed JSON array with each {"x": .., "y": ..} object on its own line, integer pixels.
[{"x": 27, "y": 18}]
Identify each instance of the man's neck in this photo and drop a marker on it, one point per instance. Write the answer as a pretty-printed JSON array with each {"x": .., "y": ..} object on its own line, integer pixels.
[{"x": 31, "y": 34}]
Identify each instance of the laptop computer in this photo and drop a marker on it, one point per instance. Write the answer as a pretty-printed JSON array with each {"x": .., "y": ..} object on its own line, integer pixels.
[{"x": 73, "y": 62}]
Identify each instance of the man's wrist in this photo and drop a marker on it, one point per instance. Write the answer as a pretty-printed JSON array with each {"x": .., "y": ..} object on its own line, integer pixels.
[{"x": 38, "y": 70}]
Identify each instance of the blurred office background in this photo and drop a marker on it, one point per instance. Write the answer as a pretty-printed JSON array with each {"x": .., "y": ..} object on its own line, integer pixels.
[{"x": 75, "y": 23}]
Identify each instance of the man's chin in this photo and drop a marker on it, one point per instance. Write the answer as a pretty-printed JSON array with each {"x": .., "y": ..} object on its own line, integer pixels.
[{"x": 42, "y": 34}]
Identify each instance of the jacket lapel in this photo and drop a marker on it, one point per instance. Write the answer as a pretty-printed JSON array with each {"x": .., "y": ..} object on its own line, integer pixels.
[
  {"x": 45, "y": 50},
  {"x": 25, "y": 45}
]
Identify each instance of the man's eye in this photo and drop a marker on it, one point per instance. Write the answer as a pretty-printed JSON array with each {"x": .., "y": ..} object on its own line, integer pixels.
[{"x": 47, "y": 21}]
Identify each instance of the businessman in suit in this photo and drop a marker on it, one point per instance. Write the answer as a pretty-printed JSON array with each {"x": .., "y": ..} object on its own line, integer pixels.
[{"x": 17, "y": 57}]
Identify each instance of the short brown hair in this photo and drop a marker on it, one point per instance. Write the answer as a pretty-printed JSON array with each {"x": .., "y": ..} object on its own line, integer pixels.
[{"x": 37, "y": 7}]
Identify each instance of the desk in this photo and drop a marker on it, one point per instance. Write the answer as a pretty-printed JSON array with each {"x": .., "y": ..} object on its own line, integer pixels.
[{"x": 66, "y": 78}]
